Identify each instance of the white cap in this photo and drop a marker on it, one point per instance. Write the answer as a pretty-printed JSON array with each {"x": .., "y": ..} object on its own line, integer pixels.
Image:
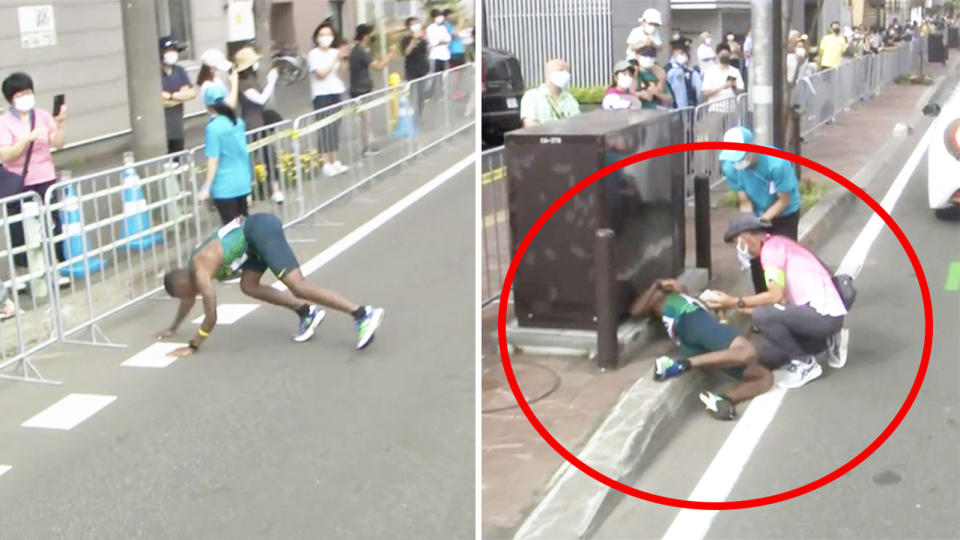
[
  {"x": 651, "y": 16},
  {"x": 215, "y": 59}
]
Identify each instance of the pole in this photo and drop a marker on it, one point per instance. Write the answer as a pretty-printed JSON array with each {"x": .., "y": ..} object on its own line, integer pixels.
[
  {"x": 761, "y": 82},
  {"x": 779, "y": 83},
  {"x": 382, "y": 30},
  {"x": 701, "y": 221},
  {"x": 140, "y": 38},
  {"x": 261, "y": 18},
  {"x": 607, "y": 346}
]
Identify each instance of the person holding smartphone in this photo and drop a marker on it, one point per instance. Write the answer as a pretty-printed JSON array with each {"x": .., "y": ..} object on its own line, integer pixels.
[{"x": 722, "y": 81}]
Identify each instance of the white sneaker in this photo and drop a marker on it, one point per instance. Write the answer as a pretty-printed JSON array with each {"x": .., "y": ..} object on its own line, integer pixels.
[
  {"x": 328, "y": 169},
  {"x": 837, "y": 348},
  {"x": 799, "y": 372},
  {"x": 340, "y": 167},
  {"x": 277, "y": 197}
]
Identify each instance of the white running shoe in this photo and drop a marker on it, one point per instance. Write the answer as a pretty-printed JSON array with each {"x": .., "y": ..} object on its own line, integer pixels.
[
  {"x": 328, "y": 169},
  {"x": 367, "y": 325},
  {"x": 837, "y": 348},
  {"x": 277, "y": 197},
  {"x": 799, "y": 372},
  {"x": 339, "y": 167}
]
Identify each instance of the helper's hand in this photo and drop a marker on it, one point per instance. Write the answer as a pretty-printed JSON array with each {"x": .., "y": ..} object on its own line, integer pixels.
[
  {"x": 720, "y": 300},
  {"x": 164, "y": 334},
  {"x": 203, "y": 195},
  {"x": 181, "y": 352}
]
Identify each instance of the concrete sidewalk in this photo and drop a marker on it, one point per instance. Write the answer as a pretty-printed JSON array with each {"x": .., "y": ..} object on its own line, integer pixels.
[{"x": 527, "y": 486}]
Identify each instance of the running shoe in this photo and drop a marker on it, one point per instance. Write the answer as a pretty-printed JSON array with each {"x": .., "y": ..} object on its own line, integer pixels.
[
  {"x": 329, "y": 170},
  {"x": 367, "y": 325},
  {"x": 339, "y": 167},
  {"x": 718, "y": 405},
  {"x": 372, "y": 150},
  {"x": 666, "y": 367},
  {"x": 837, "y": 348},
  {"x": 278, "y": 197},
  {"x": 799, "y": 372},
  {"x": 309, "y": 324}
]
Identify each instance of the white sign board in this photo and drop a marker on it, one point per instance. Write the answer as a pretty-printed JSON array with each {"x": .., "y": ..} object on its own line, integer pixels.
[
  {"x": 240, "y": 26},
  {"x": 37, "y": 27}
]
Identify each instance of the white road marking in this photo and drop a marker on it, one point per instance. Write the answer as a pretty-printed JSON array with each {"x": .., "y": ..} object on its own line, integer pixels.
[
  {"x": 230, "y": 313},
  {"x": 364, "y": 230},
  {"x": 67, "y": 413},
  {"x": 4, "y": 469},
  {"x": 723, "y": 472},
  {"x": 154, "y": 356}
]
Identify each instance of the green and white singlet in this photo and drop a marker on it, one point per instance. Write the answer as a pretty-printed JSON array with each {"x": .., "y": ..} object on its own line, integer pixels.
[
  {"x": 675, "y": 306},
  {"x": 234, "y": 245}
]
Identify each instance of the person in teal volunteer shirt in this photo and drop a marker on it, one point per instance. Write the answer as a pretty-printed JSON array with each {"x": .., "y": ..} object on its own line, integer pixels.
[
  {"x": 229, "y": 174},
  {"x": 765, "y": 186}
]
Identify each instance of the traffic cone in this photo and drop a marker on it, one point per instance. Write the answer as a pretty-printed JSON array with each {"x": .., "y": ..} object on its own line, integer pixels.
[
  {"x": 405, "y": 124},
  {"x": 136, "y": 219},
  {"x": 76, "y": 243}
]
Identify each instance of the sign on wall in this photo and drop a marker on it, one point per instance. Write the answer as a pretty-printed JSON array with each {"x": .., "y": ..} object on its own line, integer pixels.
[
  {"x": 37, "y": 27},
  {"x": 240, "y": 21}
]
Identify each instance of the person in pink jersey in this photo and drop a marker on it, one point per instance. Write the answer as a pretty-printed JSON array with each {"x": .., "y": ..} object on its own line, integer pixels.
[{"x": 800, "y": 314}]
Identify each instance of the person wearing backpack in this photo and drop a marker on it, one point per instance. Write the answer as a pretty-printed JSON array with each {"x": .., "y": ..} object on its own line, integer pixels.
[{"x": 801, "y": 313}]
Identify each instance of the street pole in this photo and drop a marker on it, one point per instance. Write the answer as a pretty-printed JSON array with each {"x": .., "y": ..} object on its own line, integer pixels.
[
  {"x": 382, "y": 30},
  {"x": 779, "y": 82},
  {"x": 261, "y": 18},
  {"x": 140, "y": 38},
  {"x": 762, "y": 79}
]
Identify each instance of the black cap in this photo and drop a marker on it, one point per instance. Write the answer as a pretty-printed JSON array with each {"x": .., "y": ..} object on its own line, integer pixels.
[
  {"x": 168, "y": 42},
  {"x": 680, "y": 44},
  {"x": 742, "y": 223}
]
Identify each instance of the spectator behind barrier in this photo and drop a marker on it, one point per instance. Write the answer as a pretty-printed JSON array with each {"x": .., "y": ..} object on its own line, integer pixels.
[
  {"x": 28, "y": 129},
  {"x": 416, "y": 61},
  {"x": 361, "y": 62},
  {"x": 647, "y": 34},
  {"x": 831, "y": 47},
  {"x": 652, "y": 80},
  {"x": 229, "y": 175},
  {"x": 438, "y": 40},
  {"x": 621, "y": 95},
  {"x": 686, "y": 85},
  {"x": 326, "y": 89},
  {"x": 252, "y": 101},
  {"x": 722, "y": 81},
  {"x": 706, "y": 56},
  {"x": 175, "y": 90},
  {"x": 216, "y": 69},
  {"x": 550, "y": 101}
]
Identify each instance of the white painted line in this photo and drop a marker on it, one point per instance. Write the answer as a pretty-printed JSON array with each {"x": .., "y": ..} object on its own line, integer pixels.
[
  {"x": 154, "y": 356},
  {"x": 364, "y": 230},
  {"x": 4, "y": 469},
  {"x": 67, "y": 413},
  {"x": 722, "y": 474},
  {"x": 230, "y": 313}
]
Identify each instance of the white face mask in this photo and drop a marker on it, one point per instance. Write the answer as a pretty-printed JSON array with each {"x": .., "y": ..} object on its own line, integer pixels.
[
  {"x": 624, "y": 80},
  {"x": 438, "y": 20},
  {"x": 708, "y": 41},
  {"x": 415, "y": 28},
  {"x": 649, "y": 29},
  {"x": 256, "y": 66},
  {"x": 325, "y": 41},
  {"x": 560, "y": 78},
  {"x": 742, "y": 254},
  {"x": 682, "y": 59},
  {"x": 170, "y": 58},
  {"x": 801, "y": 52},
  {"x": 742, "y": 164},
  {"x": 25, "y": 103},
  {"x": 645, "y": 62}
]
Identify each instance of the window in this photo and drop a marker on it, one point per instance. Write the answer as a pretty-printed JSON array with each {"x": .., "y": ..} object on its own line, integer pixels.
[{"x": 173, "y": 17}]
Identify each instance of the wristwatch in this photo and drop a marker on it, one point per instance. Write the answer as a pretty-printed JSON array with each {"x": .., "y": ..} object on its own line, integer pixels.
[
  {"x": 192, "y": 345},
  {"x": 740, "y": 303}
]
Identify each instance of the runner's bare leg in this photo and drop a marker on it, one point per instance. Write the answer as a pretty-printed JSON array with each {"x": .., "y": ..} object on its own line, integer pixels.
[{"x": 303, "y": 289}]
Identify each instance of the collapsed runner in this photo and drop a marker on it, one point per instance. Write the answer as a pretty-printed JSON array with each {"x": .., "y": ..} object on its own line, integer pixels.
[
  {"x": 704, "y": 343},
  {"x": 251, "y": 245}
]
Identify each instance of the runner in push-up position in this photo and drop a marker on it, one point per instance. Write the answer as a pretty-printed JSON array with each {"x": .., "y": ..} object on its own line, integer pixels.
[
  {"x": 704, "y": 343},
  {"x": 252, "y": 245}
]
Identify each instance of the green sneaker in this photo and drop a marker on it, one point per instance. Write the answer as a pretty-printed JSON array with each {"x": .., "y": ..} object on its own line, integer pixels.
[
  {"x": 718, "y": 405},
  {"x": 367, "y": 325}
]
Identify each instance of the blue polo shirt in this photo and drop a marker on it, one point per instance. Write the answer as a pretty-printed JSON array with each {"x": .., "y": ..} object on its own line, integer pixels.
[
  {"x": 769, "y": 176},
  {"x": 227, "y": 142},
  {"x": 456, "y": 44}
]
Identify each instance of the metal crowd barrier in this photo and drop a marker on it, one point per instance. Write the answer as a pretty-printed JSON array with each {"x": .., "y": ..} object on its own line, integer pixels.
[
  {"x": 495, "y": 238},
  {"x": 111, "y": 235}
]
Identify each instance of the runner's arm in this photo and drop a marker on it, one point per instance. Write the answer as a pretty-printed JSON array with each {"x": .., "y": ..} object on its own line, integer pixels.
[
  {"x": 646, "y": 302},
  {"x": 206, "y": 290}
]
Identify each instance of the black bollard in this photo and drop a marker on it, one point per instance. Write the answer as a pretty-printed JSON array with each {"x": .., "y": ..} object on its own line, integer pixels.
[
  {"x": 608, "y": 349},
  {"x": 701, "y": 221}
]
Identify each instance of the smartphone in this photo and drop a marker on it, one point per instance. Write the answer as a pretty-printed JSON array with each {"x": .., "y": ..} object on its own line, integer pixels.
[
  {"x": 731, "y": 78},
  {"x": 58, "y": 101}
]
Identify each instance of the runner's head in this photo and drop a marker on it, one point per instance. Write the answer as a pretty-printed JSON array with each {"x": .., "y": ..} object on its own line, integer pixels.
[{"x": 179, "y": 283}]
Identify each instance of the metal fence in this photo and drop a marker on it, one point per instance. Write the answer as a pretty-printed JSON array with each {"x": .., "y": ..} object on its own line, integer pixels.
[{"x": 110, "y": 236}]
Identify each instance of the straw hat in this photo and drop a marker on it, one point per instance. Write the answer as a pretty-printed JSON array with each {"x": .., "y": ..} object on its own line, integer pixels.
[{"x": 245, "y": 58}]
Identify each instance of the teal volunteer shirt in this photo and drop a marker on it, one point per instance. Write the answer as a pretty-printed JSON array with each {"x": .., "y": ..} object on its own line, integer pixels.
[
  {"x": 227, "y": 142},
  {"x": 769, "y": 176}
]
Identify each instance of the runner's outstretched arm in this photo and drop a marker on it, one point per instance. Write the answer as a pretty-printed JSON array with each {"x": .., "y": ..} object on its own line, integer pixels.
[{"x": 644, "y": 305}]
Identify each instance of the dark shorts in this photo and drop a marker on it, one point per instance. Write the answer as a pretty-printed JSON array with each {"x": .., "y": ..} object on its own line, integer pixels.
[
  {"x": 457, "y": 60},
  {"x": 268, "y": 246},
  {"x": 700, "y": 332}
]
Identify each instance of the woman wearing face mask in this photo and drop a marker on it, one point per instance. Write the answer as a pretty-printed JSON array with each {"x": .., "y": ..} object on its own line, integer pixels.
[
  {"x": 551, "y": 100},
  {"x": 27, "y": 135},
  {"x": 620, "y": 95},
  {"x": 438, "y": 40},
  {"x": 685, "y": 83},
  {"x": 797, "y": 63},
  {"x": 176, "y": 89},
  {"x": 706, "y": 56},
  {"x": 327, "y": 90},
  {"x": 229, "y": 174},
  {"x": 216, "y": 69},
  {"x": 253, "y": 100},
  {"x": 652, "y": 80}
]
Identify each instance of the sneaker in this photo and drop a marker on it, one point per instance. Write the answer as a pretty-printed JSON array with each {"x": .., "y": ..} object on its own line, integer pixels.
[
  {"x": 799, "y": 372},
  {"x": 339, "y": 167},
  {"x": 372, "y": 150},
  {"x": 328, "y": 169},
  {"x": 309, "y": 323},
  {"x": 277, "y": 197},
  {"x": 666, "y": 367},
  {"x": 837, "y": 348},
  {"x": 718, "y": 405},
  {"x": 367, "y": 325}
]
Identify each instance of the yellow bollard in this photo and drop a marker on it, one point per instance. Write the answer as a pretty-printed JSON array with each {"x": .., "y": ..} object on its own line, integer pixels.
[{"x": 394, "y": 81}]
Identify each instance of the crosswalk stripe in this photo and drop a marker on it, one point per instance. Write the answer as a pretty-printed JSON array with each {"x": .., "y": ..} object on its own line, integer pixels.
[{"x": 69, "y": 412}]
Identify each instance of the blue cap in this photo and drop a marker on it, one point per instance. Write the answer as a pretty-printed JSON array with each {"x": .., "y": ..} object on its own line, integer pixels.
[
  {"x": 213, "y": 94},
  {"x": 738, "y": 134}
]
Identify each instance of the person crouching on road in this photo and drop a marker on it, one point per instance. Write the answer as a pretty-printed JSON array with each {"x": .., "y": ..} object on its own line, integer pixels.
[
  {"x": 229, "y": 174},
  {"x": 704, "y": 343},
  {"x": 800, "y": 314},
  {"x": 765, "y": 186},
  {"x": 620, "y": 95}
]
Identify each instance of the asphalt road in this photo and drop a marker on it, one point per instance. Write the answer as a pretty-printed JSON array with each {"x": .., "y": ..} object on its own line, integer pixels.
[
  {"x": 910, "y": 488},
  {"x": 260, "y": 437}
]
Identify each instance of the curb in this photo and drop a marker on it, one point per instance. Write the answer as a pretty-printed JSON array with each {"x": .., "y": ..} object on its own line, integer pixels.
[{"x": 574, "y": 504}]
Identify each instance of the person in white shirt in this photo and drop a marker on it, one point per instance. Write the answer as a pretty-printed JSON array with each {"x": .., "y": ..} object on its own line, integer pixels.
[
  {"x": 705, "y": 53},
  {"x": 438, "y": 40},
  {"x": 644, "y": 35},
  {"x": 327, "y": 90},
  {"x": 722, "y": 81},
  {"x": 215, "y": 69}
]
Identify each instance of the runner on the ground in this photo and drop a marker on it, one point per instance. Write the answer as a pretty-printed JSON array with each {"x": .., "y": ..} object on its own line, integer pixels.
[
  {"x": 704, "y": 343},
  {"x": 252, "y": 245}
]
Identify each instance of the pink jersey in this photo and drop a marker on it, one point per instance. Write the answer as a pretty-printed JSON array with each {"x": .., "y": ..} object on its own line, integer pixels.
[
  {"x": 13, "y": 129},
  {"x": 802, "y": 276}
]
